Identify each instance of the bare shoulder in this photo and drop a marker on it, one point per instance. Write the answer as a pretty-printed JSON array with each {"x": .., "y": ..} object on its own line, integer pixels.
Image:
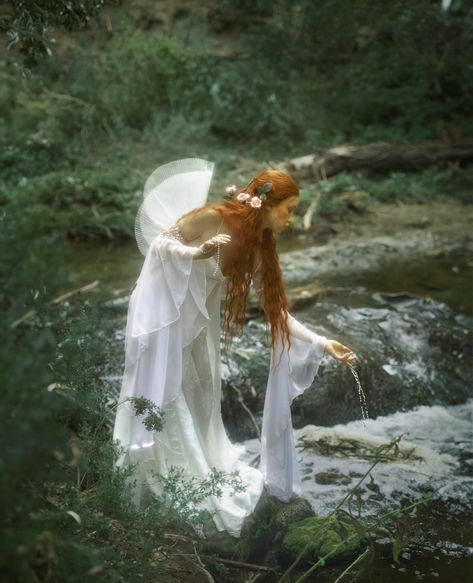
[{"x": 197, "y": 224}]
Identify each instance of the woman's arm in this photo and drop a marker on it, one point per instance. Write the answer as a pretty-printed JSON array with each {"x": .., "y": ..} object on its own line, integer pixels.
[
  {"x": 336, "y": 349},
  {"x": 199, "y": 227}
]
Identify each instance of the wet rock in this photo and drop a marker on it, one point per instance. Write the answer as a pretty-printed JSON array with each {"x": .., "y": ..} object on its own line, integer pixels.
[
  {"x": 413, "y": 351},
  {"x": 292, "y": 511},
  {"x": 256, "y": 535},
  {"x": 355, "y": 201},
  {"x": 244, "y": 379},
  {"x": 321, "y": 233},
  {"x": 332, "y": 476},
  {"x": 421, "y": 223},
  {"x": 333, "y": 538}
]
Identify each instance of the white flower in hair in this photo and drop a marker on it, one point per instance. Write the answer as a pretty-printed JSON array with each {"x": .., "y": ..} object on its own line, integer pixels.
[
  {"x": 243, "y": 197},
  {"x": 231, "y": 189}
]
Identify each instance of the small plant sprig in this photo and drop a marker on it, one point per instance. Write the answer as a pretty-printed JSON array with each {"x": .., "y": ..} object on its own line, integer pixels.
[
  {"x": 184, "y": 497},
  {"x": 154, "y": 420}
]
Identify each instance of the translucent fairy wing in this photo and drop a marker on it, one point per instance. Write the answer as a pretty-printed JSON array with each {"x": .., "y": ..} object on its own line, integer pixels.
[{"x": 171, "y": 191}]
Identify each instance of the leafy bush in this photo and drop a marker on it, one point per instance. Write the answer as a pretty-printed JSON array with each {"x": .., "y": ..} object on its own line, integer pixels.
[
  {"x": 139, "y": 75},
  {"x": 79, "y": 134},
  {"x": 395, "y": 70},
  {"x": 69, "y": 514}
]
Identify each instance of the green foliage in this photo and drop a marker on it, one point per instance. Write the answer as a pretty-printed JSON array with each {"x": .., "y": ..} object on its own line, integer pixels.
[
  {"x": 375, "y": 71},
  {"x": 250, "y": 105},
  {"x": 341, "y": 533},
  {"x": 320, "y": 536},
  {"x": 32, "y": 439},
  {"x": 154, "y": 417},
  {"x": 140, "y": 76},
  {"x": 183, "y": 498},
  {"x": 77, "y": 138},
  {"x": 69, "y": 514},
  {"x": 28, "y": 23},
  {"x": 80, "y": 133},
  {"x": 87, "y": 204}
]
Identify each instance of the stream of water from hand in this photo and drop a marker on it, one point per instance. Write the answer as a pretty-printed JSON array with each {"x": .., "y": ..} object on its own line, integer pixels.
[{"x": 361, "y": 397}]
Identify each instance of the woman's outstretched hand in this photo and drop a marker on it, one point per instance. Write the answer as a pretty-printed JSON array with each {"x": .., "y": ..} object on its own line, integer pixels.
[
  {"x": 341, "y": 353},
  {"x": 211, "y": 246}
]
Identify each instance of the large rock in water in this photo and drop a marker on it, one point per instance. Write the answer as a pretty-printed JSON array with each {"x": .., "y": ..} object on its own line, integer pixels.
[
  {"x": 413, "y": 351},
  {"x": 329, "y": 537}
]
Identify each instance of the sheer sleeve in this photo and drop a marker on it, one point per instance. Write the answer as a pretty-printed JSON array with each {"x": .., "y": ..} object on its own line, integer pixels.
[
  {"x": 292, "y": 371},
  {"x": 167, "y": 311},
  {"x": 166, "y": 278}
]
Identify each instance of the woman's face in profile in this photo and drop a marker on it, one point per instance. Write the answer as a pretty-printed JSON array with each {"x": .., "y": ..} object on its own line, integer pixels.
[{"x": 281, "y": 216}]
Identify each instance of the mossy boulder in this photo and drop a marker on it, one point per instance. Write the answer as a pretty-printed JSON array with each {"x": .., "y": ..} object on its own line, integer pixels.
[{"x": 332, "y": 537}]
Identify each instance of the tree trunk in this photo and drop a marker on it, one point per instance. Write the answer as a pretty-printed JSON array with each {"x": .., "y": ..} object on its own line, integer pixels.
[{"x": 379, "y": 158}]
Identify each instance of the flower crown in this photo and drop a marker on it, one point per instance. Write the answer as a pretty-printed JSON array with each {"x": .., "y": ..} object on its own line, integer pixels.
[{"x": 245, "y": 198}]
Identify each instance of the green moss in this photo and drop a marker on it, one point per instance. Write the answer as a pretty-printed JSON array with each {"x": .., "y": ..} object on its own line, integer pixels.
[
  {"x": 322, "y": 536},
  {"x": 259, "y": 529}
]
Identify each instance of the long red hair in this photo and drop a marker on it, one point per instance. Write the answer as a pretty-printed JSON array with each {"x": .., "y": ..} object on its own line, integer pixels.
[{"x": 247, "y": 223}]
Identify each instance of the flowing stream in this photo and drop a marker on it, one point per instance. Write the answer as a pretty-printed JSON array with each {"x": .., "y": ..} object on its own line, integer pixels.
[
  {"x": 411, "y": 324},
  {"x": 436, "y": 456}
]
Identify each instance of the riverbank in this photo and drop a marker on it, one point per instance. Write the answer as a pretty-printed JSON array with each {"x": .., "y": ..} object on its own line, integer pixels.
[
  {"x": 440, "y": 217},
  {"x": 424, "y": 228}
]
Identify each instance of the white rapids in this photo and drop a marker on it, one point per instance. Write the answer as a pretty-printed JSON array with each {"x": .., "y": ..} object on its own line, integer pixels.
[{"x": 436, "y": 441}]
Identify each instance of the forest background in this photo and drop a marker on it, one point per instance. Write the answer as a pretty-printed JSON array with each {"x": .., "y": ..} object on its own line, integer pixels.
[{"x": 93, "y": 97}]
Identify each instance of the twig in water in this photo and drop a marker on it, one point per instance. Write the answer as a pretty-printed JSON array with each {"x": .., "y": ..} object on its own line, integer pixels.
[
  {"x": 241, "y": 400},
  {"x": 81, "y": 290},
  {"x": 353, "y": 564},
  {"x": 242, "y": 565},
  {"x": 379, "y": 459}
]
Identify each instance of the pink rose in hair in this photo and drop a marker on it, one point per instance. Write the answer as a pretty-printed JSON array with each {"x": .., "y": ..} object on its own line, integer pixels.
[
  {"x": 243, "y": 196},
  {"x": 255, "y": 202}
]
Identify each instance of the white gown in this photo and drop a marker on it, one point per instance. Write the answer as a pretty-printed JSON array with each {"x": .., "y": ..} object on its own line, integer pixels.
[{"x": 172, "y": 357}]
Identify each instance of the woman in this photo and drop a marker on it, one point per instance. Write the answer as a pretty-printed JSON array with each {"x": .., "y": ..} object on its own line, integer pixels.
[{"x": 173, "y": 347}]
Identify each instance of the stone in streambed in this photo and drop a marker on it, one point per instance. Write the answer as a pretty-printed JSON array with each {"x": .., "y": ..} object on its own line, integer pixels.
[
  {"x": 332, "y": 476},
  {"x": 295, "y": 510},
  {"x": 322, "y": 535},
  {"x": 256, "y": 535}
]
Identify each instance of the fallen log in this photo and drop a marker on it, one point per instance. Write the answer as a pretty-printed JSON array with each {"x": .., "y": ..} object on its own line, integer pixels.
[
  {"x": 380, "y": 158},
  {"x": 59, "y": 299}
]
